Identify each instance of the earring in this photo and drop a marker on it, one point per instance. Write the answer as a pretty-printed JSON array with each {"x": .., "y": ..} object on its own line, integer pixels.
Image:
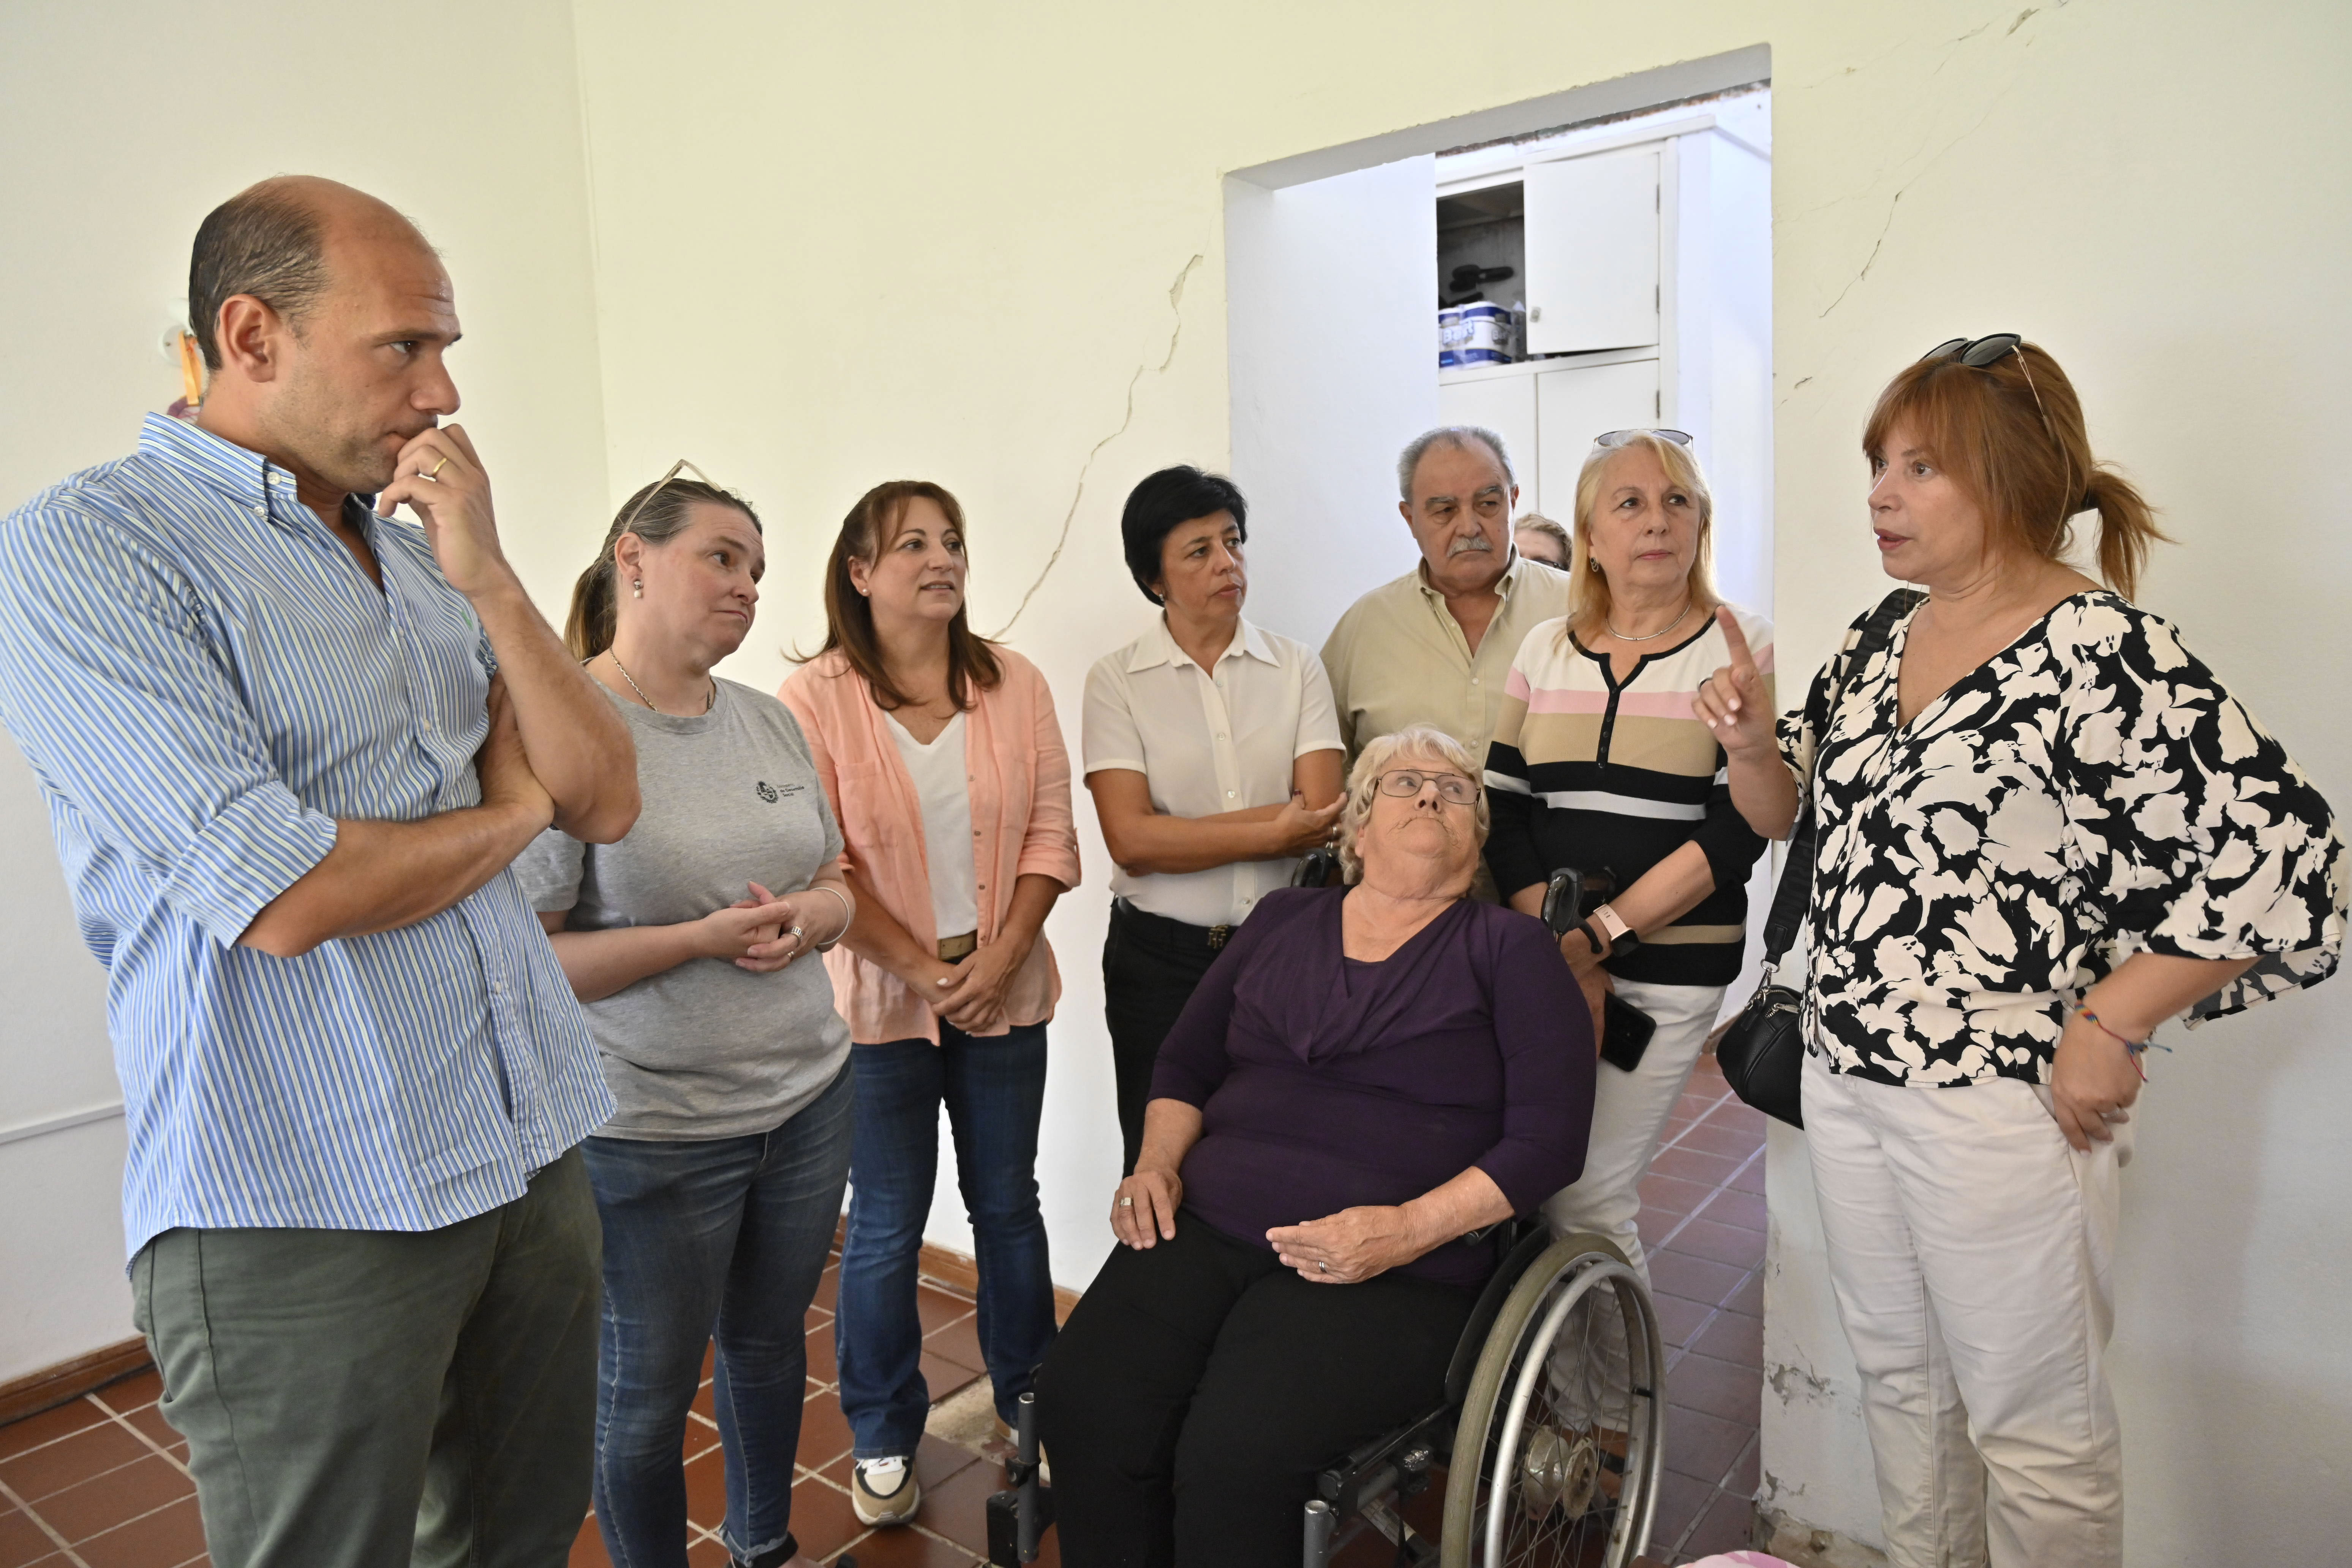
[
  {"x": 638, "y": 588},
  {"x": 1594, "y": 566}
]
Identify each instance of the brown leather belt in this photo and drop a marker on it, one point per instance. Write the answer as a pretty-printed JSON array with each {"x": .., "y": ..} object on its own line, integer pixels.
[{"x": 954, "y": 948}]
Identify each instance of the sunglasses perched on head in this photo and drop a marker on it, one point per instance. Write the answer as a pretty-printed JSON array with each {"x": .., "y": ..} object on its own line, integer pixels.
[
  {"x": 659, "y": 485},
  {"x": 1976, "y": 353},
  {"x": 1619, "y": 437}
]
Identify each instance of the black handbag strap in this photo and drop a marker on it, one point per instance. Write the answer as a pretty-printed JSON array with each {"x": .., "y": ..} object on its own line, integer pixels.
[{"x": 1796, "y": 888}]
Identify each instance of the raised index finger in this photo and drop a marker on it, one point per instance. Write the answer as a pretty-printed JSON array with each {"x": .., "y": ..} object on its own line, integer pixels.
[{"x": 1743, "y": 660}]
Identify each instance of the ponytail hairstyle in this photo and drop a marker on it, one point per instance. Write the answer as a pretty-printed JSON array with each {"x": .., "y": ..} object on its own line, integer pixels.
[
  {"x": 656, "y": 514},
  {"x": 2010, "y": 434},
  {"x": 867, "y": 533}
]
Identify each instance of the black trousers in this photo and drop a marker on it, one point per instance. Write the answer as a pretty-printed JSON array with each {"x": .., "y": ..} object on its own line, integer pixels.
[
  {"x": 1200, "y": 1385},
  {"x": 1150, "y": 966}
]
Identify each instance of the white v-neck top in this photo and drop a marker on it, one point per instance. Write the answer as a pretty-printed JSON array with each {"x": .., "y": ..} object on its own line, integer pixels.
[{"x": 945, "y": 790}]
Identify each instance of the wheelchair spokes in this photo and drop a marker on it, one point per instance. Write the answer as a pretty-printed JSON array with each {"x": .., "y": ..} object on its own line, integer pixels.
[{"x": 1567, "y": 1442}]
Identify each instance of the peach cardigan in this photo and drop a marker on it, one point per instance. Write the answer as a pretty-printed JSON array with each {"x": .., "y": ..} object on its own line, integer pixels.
[{"x": 1020, "y": 779}]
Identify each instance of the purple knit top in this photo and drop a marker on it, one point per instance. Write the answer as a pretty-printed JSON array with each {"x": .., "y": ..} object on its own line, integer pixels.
[{"x": 1326, "y": 1083}]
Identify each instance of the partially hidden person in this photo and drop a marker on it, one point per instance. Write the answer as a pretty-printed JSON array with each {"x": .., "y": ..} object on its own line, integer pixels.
[
  {"x": 944, "y": 762},
  {"x": 719, "y": 1178},
  {"x": 1434, "y": 646},
  {"x": 1598, "y": 765},
  {"x": 1213, "y": 758}
]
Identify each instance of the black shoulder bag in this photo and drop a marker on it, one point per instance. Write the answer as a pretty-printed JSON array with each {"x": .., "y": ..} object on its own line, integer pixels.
[{"x": 1763, "y": 1054}]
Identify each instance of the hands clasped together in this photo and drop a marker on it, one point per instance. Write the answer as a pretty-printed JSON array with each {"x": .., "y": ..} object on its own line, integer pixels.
[
  {"x": 1344, "y": 1248},
  {"x": 970, "y": 994},
  {"x": 764, "y": 932}
]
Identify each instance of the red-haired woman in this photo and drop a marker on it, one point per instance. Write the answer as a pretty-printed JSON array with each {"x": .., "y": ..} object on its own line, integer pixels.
[
  {"x": 2045, "y": 828},
  {"x": 945, "y": 765}
]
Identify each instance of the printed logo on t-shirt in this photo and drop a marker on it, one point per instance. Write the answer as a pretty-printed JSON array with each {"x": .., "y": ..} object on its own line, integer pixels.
[
  {"x": 767, "y": 791},
  {"x": 773, "y": 793}
]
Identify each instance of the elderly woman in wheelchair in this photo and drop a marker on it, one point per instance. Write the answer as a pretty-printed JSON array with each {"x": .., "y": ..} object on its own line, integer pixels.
[{"x": 1368, "y": 1077}]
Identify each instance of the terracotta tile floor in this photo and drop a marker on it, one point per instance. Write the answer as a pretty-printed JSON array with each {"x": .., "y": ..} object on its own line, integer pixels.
[{"x": 101, "y": 1483}]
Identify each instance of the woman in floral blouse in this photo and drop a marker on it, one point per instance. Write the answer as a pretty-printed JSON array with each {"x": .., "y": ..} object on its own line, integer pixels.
[{"x": 2045, "y": 828}]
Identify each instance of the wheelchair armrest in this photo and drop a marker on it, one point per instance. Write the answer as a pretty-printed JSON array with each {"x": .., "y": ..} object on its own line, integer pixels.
[{"x": 1520, "y": 1241}]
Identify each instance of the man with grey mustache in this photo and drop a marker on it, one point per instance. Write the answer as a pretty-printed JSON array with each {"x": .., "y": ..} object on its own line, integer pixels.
[{"x": 1435, "y": 645}]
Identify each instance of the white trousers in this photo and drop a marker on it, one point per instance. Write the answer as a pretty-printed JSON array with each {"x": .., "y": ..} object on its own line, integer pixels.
[
  {"x": 1629, "y": 1112},
  {"x": 1971, "y": 1252}
]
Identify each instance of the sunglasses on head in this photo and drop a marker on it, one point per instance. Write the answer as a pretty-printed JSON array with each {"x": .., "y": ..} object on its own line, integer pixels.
[
  {"x": 1619, "y": 437},
  {"x": 1976, "y": 353},
  {"x": 659, "y": 485}
]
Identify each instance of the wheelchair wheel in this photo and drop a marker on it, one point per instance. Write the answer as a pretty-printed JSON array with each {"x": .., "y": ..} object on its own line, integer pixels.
[{"x": 1561, "y": 1439}]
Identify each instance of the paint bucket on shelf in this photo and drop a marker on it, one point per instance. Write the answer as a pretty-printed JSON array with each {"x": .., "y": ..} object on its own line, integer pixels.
[{"x": 1479, "y": 334}]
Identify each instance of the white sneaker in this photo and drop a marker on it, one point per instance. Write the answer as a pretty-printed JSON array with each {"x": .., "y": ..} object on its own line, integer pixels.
[{"x": 884, "y": 1491}]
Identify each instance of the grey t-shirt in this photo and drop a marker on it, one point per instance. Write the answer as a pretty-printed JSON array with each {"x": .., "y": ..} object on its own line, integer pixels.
[{"x": 706, "y": 1049}]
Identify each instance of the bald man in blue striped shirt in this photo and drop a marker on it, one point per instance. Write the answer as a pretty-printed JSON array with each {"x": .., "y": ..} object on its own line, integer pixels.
[{"x": 289, "y": 745}]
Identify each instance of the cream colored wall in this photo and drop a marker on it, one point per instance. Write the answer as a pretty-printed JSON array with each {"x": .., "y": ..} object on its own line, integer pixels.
[
  {"x": 842, "y": 244},
  {"x": 123, "y": 125}
]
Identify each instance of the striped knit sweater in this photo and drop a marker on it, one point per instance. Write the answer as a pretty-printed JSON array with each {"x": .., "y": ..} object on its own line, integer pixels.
[{"x": 1591, "y": 772}]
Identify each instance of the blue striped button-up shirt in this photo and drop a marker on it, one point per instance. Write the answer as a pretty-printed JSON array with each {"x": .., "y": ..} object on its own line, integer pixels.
[{"x": 203, "y": 681}]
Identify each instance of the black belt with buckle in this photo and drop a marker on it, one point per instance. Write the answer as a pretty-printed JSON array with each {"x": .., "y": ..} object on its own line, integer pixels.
[{"x": 1175, "y": 933}]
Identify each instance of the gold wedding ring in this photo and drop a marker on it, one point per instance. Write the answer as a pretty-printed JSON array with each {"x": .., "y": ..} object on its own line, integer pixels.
[
  {"x": 1127, "y": 1203},
  {"x": 435, "y": 472}
]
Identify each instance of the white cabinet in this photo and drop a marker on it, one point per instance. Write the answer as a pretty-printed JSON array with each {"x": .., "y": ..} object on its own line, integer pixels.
[
  {"x": 1548, "y": 411},
  {"x": 1648, "y": 285},
  {"x": 1573, "y": 405},
  {"x": 1592, "y": 252},
  {"x": 1505, "y": 404}
]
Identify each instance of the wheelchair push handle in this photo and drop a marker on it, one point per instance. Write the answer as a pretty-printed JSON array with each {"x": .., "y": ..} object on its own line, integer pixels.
[
  {"x": 1024, "y": 1440},
  {"x": 1572, "y": 895},
  {"x": 1322, "y": 1524}
]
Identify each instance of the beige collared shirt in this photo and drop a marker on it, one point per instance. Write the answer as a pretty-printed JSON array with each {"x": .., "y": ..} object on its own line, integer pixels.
[
  {"x": 1208, "y": 742},
  {"x": 1398, "y": 657}
]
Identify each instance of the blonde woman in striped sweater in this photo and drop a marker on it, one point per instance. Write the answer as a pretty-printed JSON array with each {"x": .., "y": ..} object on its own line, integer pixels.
[{"x": 1598, "y": 762}]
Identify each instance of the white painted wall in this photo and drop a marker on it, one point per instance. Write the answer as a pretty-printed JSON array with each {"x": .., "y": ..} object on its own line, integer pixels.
[
  {"x": 123, "y": 125},
  {"x": 835, "y": 245}
]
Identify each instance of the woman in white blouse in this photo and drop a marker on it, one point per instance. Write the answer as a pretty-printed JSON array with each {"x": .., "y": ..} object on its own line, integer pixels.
[{"x": 1214, "y": 754}]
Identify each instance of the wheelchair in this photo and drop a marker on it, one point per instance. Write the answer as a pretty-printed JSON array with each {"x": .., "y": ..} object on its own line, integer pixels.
[
  {"x": 1551, "y": 1447},
  {"x": 1550, "y": 1435}
]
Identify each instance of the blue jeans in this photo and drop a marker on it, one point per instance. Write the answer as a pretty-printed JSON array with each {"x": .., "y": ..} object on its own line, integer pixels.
[
  {"x": 725, "y": 1240},
  {"x": 995, "y": 1089}
]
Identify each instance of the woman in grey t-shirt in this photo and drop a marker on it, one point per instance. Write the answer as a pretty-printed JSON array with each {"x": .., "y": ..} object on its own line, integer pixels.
[{"x": 720, "y": 1177}]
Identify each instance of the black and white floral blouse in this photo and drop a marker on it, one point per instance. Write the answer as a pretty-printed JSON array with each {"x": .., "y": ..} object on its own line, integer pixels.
[{"x": 2089, "y": 790}]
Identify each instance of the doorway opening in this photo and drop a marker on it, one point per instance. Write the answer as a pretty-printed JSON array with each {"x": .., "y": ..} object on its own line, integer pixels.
[{"x": 1622, "y": 232}]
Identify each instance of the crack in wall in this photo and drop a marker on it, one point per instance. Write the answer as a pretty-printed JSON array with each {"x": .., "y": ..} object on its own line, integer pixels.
[
  {"x": 1903, "y": 189},
  {"x": 1951, "y": 50},
  {"x": 1175, "y": 335}
]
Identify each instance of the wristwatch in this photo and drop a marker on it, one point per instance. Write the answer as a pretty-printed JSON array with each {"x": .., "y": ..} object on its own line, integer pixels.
[{"x": 1607, "y": 923}]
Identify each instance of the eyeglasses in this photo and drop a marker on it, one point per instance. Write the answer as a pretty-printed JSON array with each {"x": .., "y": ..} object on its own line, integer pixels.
[
  {"x": 1976, "y": 353},
  {"x": 1619, "y": 437},
  {"x": 660, "y": 484},
  {"x": 1406, "y": 783}
]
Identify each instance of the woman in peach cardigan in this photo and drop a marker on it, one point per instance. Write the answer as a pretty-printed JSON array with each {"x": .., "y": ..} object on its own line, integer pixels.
[{"x": 946, "y": 768}]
